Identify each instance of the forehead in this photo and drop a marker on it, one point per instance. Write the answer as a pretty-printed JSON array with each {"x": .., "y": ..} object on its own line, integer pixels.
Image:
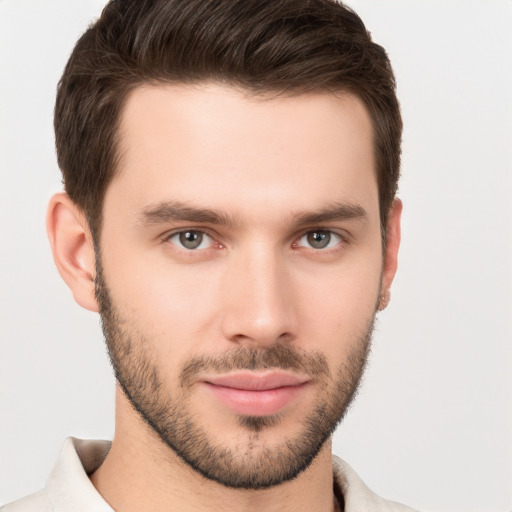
[{"x": 222, "y": 145}]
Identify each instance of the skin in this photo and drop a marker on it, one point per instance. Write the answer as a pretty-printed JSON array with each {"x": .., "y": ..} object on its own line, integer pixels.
[{"x": 264, "y": 163}]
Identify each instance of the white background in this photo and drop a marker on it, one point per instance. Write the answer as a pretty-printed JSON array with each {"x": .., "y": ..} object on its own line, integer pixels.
[{"x": 432, "y": 424}]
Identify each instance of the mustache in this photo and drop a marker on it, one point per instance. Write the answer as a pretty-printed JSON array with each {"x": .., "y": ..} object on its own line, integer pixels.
[{"x": 279, "y": 356}]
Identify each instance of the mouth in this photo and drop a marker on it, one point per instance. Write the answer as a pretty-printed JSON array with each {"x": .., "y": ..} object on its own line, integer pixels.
[{"x": 255, "y": 393}]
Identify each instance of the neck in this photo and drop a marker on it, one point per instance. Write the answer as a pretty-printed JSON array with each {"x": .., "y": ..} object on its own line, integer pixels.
[{"x": 141, "y": 473}]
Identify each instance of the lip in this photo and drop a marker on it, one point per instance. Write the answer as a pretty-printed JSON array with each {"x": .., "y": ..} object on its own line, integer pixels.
[
  {"x": 253, "y": 381},
  {"x": 256, "y": 394}
]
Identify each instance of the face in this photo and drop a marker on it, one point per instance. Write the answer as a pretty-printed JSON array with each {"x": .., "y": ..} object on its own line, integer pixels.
[{"x": 239, "y": 271}]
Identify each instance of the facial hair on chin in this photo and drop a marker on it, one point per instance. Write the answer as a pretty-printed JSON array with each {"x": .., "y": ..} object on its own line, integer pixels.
[{"x": 251, "y": 465}]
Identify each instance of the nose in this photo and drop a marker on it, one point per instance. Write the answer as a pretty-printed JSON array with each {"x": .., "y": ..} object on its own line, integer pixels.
[{"x": 258, "y": 307}]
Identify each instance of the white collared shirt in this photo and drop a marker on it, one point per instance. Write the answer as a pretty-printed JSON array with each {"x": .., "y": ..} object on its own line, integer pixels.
[{"x": 69, "y": 489}]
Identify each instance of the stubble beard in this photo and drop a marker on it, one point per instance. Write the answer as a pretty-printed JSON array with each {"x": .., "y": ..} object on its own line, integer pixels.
[{"x": 251, "y": 464}]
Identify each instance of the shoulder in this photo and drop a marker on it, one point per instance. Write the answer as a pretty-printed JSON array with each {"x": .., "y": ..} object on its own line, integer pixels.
[
  {"x": 68, "y": 487},
  {"x": 358, "y": 496},
  {"x": 34, "y": 502}
]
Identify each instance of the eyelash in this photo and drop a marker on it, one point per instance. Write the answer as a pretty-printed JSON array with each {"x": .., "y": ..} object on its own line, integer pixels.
[
  {"x": 177, "y": 234},
  {"x": 339, "y": 239},
  {"x": 330, "y": 236}
]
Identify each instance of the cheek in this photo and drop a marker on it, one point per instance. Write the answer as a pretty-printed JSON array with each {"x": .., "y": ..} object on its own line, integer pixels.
[
  {"x": 171, "y": 305},
  {"x": 341, "y": 305}
]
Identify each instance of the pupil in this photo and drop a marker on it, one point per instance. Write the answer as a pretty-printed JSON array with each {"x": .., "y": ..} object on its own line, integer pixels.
[
  {"x": 319, "y": 239},
  {"x": 191, "y": 239}
]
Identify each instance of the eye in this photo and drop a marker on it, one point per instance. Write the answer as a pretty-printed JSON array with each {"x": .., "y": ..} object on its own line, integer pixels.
[
  {"x": 191, "y": 240},
  {"x": 319, "y": 239}
]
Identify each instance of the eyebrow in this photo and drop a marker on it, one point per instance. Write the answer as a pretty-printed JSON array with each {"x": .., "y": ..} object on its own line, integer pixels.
[
  {"x": 169, "y": 211},
  {"x": 331, "y": 213}
]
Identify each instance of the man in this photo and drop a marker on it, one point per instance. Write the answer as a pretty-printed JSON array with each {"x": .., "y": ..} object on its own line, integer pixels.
[{"x": 230, "y": 171}]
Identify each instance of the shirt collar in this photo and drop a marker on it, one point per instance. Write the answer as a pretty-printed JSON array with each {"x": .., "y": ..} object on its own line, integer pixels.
[{"x": 69, "y": 487}]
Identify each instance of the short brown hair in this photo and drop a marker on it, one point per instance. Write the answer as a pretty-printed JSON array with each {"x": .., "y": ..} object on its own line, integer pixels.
[{"x": 264, "y": 46}]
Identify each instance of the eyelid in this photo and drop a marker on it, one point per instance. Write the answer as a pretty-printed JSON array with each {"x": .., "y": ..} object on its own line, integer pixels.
[
  {"x": 341, "y": 237},
  {"x": 170, "y": 234}
]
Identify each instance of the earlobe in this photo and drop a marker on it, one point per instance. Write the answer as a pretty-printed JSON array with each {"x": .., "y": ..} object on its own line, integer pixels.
[
  {"x": 73, "y": 249},
  {"x": 393, "y": 234}
]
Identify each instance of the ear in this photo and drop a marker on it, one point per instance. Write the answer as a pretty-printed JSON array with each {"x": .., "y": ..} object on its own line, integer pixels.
[
  {"x": 73, "y": 249},
  {"x": 391, "y": 253}
]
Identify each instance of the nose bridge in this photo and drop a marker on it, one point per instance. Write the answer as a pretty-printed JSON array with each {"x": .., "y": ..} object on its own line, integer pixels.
[{"x": 258, "y": 308}]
